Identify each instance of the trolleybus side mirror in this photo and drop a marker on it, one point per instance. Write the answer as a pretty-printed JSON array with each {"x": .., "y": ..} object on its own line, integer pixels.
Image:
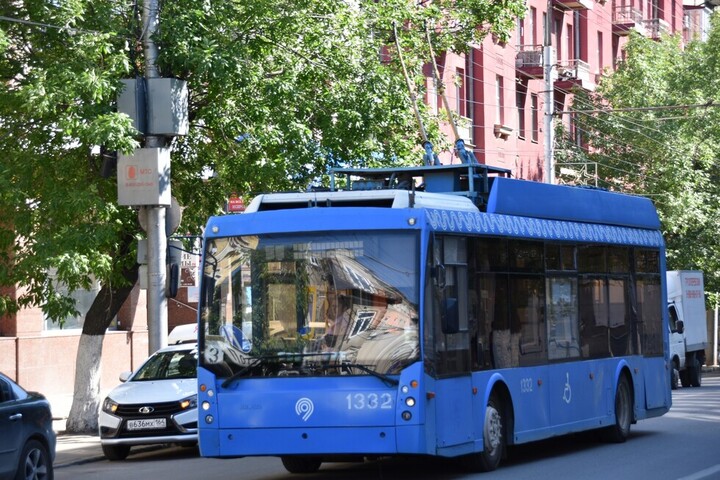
[{"x": 450, "y": 319}]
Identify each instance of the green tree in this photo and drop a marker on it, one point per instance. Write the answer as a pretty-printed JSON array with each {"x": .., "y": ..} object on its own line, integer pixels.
[
  {"x": 279, "y": 92},
  {"x": 659, "y": 136}
]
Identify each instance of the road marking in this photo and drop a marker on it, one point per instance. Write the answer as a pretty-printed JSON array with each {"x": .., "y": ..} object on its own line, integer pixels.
[{"x": 702, "y": 473}]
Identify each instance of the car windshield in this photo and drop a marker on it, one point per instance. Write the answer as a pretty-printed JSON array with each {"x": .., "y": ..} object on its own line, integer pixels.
[
  {"x": 168, "y": 365},
  {"x": 321, "y": 304}
]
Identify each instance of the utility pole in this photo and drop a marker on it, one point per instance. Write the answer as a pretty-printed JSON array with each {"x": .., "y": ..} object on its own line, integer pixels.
[
  {"x": 548, "y": 64},
  {"x": 157, "y": 313}
]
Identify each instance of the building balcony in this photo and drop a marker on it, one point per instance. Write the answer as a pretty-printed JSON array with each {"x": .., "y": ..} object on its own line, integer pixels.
[
  {"x": 626, "y": 19},
  {"x": 655, "y": 28},
  {"x": 574, "y": 73},
  {"x": 529, "y": 60},
  {"x": 573, "y": 4}
]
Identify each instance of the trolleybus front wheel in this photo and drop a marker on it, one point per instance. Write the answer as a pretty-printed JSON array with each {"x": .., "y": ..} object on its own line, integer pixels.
[
  {"x": 494, "y": 438},
  {"x": 301, "y": 464}
]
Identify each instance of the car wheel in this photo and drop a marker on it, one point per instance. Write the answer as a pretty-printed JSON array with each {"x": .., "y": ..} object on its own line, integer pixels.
[
  {"x": 116, "y": 452},
  {"x": 674, "y": 375},
  {"x": 34, "y": 462}
]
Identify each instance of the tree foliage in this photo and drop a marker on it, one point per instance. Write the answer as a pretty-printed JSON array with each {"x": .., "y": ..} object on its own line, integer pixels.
[
  {"x": 279, "y": 92},
  {"x": 659, "y": 136}
]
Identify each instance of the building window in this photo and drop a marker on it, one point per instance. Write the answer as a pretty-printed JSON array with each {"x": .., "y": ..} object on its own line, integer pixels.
[
  {"x": 499, "y": 114},
  {"x": 432, "y": 95},
  {"x": 520, "y": 30},
  {"x": 535, "y": 119},
  {"x": 601, "y": 60},
  {"x": 83, "y": 301},
  {"x": 520, "y": 97},
  {"x": 533, "y": 27},
  {"x": 460, "y": 97},
  {"x": 559, "y": 38}
]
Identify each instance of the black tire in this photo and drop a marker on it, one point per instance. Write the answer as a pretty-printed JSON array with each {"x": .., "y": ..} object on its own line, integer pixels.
[
  {"x": 685, "y": 377},
  {"x": 116, "y": 452},
  {"x": 624, "y": 402},
  {"x": 695, "y": 373},
  {"x": 301, "y": 464},
  {"x": 494, "y": 438},
  {"x": 35, "y": 463}
]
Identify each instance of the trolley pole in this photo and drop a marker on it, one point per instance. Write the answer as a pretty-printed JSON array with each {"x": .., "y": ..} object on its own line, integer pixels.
[
  {"x": 548, "y": 63},
  {"x": 157, "y": 313}
]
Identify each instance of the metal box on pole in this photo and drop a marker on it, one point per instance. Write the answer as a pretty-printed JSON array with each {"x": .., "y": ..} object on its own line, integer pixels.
[{"x": 144, "y": 177}]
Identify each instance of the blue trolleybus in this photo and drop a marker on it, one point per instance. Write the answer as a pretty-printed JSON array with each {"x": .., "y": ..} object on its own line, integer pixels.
[{"x": 441, "y": 311}]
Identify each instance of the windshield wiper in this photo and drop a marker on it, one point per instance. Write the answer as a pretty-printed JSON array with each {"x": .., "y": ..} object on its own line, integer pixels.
[
  {"x": 253, "y": 363},
  {"x": 280, "y": 357},
  {"x": 391, "y": 382}
]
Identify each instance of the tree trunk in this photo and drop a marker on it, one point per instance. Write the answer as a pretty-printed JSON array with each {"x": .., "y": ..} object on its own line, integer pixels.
[{"x": 83, "y": 417}]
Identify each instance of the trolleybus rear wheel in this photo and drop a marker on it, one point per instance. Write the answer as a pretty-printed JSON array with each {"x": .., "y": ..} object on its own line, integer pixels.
[
  {"x": 301, "y": 464},
  {"x": 620, "y": 431}
]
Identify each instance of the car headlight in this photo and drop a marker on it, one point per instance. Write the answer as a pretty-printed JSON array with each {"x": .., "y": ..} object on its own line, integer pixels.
[
  {"x": 109, "y": 406},
  {"x": 189, "y": 402}
]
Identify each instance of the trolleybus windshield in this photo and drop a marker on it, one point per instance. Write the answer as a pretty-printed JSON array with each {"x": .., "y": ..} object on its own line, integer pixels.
[{"x": 310, "y": 304}]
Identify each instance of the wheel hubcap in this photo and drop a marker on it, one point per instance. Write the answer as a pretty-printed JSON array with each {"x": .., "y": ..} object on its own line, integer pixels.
[{"x": 493, "y": 428}]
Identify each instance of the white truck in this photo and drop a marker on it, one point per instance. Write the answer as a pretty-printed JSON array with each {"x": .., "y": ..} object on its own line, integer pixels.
[{"x": 688, "y": 327}]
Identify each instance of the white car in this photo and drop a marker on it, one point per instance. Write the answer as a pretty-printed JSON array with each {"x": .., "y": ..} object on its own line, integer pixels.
[{"x": 157, "y": 404}]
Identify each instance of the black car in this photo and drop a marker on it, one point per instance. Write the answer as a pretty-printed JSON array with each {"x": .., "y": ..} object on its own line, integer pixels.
[{"x": 27, "y": 439}]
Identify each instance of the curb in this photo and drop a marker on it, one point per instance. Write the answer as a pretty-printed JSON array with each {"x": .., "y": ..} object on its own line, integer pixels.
[{"x": 80, "y": 461}]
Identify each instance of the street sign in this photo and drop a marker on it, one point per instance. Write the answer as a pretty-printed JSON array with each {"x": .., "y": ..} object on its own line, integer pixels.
[{"x": 235, "y": 204}]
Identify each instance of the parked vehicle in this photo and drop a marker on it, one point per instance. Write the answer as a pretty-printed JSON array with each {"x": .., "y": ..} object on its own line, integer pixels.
[
  {"x": 157, "y": 404},
  {"x": 27, "y": 439},
  {"x": 688, "y": 326}
]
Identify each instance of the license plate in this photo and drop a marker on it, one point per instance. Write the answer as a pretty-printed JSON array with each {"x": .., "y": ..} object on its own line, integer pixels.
[{"x": 146, "y": 424}]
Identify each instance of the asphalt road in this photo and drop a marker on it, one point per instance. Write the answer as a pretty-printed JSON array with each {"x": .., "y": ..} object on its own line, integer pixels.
[{"x": 682, "y": 445}]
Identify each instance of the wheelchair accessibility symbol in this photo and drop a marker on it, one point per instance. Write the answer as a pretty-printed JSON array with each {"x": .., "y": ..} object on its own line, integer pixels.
[{"x": 567, "y": 393}]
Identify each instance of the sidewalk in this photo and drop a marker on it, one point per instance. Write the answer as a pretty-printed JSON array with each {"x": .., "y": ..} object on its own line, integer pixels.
[{"x": 77, "y": 449}]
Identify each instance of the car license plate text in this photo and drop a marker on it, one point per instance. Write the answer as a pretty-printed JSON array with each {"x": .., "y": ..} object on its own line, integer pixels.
[{"x": 146, "y": 424}]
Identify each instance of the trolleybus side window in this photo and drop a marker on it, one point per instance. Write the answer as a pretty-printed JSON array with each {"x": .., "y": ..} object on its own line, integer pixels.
[
  {"x": 561, "y": 288},
  {"x": 649, "y": 301}
]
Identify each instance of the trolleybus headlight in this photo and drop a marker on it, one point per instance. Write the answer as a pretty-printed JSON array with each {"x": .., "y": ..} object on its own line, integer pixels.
[
  {"x": 404, "y": 389},
  {"x": 209, "y": 419},
  {"x": 410, "y": 401},
  {"x": 206, "y": 405},
  {"x": 406, "y": 415}
]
